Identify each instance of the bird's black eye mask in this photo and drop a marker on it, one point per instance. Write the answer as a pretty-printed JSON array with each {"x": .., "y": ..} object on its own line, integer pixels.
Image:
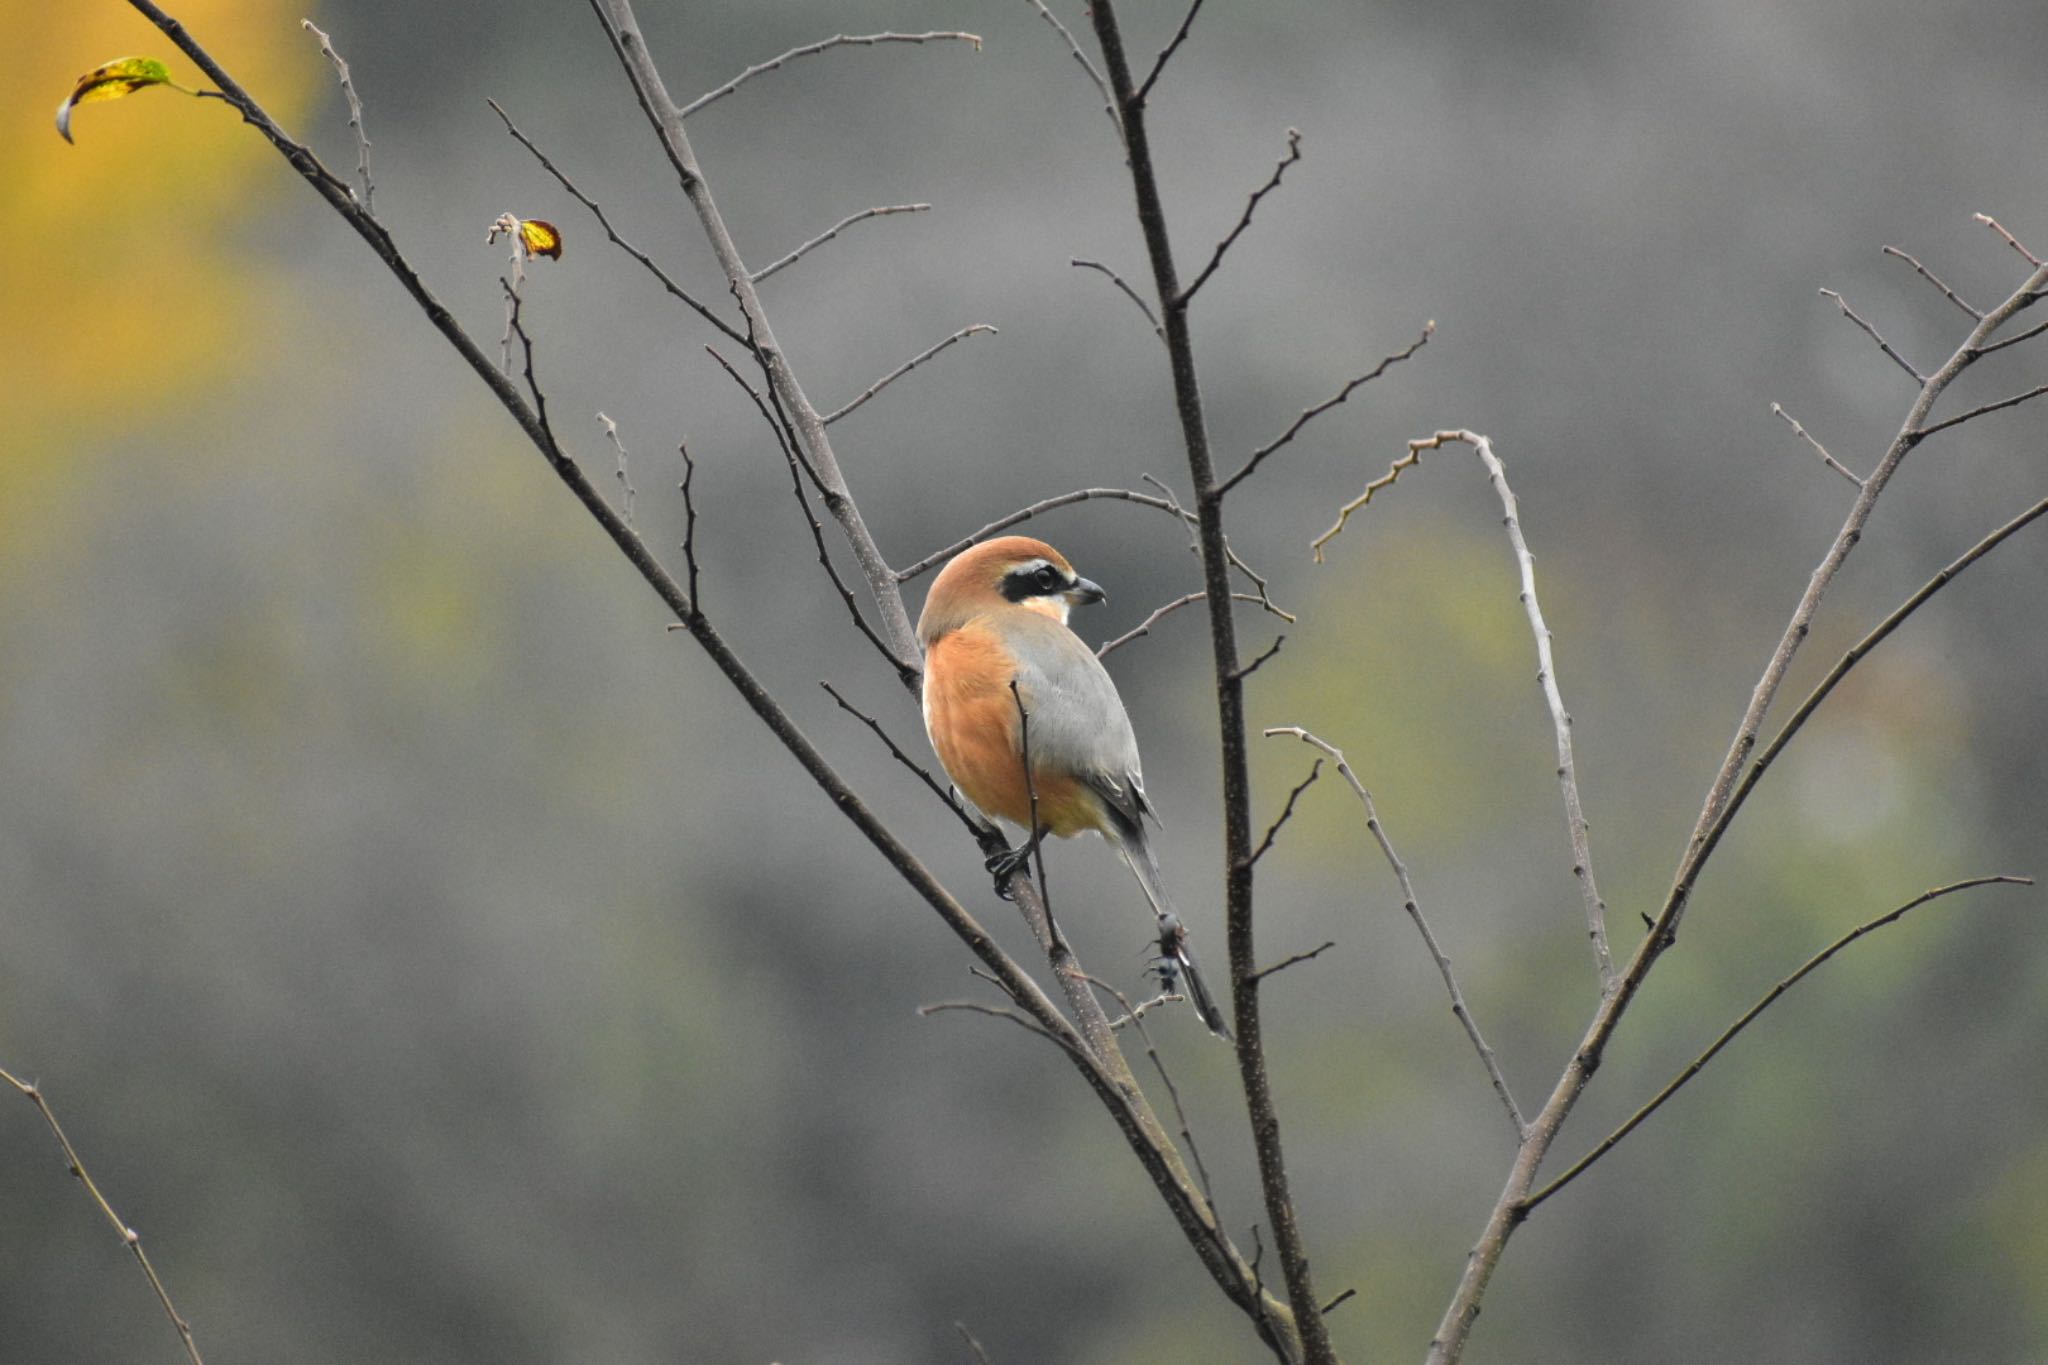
[{"x": 1036, "y": 579}]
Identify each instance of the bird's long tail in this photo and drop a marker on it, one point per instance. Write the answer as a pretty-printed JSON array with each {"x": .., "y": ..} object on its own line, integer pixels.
[{"x": 1173, "y": 936}]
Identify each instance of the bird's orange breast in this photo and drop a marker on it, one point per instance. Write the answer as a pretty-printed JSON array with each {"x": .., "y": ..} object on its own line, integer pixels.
[{"x": 975, "y": 729}]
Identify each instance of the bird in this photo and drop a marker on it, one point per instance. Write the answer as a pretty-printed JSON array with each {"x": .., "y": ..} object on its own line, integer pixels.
[{"x": 995, "y": 616}]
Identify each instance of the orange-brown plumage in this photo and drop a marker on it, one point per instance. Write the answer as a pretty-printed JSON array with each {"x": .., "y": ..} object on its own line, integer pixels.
[{"x": 996, "y": 616}]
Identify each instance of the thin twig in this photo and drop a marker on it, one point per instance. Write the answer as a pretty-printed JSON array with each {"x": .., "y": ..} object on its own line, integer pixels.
[
  {"x": 1021, "y": 1020},
  {"x": 828, "y": 234},
  {"x": 355, "y": 112},
  {"x": 1560, "y": 719},
  {"x": 1933, "y": 279},
  {"x": 1166, "y": 53},
  {"x": 812, "y": 49},
  {"x": 1770, "y": 998},
  {"x": 1413, "y": 906},
  {"x": 905, "y": 368},
  {"x": 980, "y": 1356},
  {"x": 1293, "y": 155},
  {"x": 2027, "y": 335},
  {"x": 1144, "y": 627},
  {"x": 1988, "y": 221},
  {"x": 1974, "y": 413},
  {"x": 1857, "y": 652},
  {"x": 647, "y": 262},
  {"x": 611, "y": 431},
  {"x": 1134, "y": 1015},
  {"x": 1338, "y": 1302},
  {"x": 1286, "y": 814},
  {"x": 1073, "y": 46},
  {"x": 1364, "y": 499},
  {"x": 1807, "y": 437},
  {"x": 1133, "y": 295},
  {"x": 514, "y": 327},
  {"x": 689, "y": 522},
  {"x": 896, "y": 752},
  {"x": 1258, "y": 457},
  {"x": 130, "y": 1238},
  {"x": 1241, "y": 673},
  {"x": 1292, "y": 960},
  {"x": 1871, "y": 332},
  {"x": 798, "y": 467}
]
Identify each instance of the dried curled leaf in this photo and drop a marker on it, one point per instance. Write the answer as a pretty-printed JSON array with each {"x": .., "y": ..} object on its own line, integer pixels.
[
  {"x": 536, "y": 236},
  {"x": 110, "y": 81}
]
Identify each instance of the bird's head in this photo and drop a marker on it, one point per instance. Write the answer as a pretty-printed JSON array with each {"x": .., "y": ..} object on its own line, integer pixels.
[{"x": 1013, "y": 571}]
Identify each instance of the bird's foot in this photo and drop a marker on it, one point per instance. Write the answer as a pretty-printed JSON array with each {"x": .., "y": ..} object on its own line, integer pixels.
[{"x": 1008, "y": 863}]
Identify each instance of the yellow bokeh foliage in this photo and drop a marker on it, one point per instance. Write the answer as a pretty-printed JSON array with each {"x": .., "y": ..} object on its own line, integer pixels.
[{"x": 128, "y": 279}]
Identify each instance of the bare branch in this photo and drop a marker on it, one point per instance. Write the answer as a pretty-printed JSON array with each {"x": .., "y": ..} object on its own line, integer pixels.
[
  {"x": 1129, "y": 293},
  {"x": 130, "y": 1238},
  {"x": 611, "y": 431},
  {"x": 2010, "y": 240},
  {"x": 1933, "y": 279},
  {"x": 514, "y": 327},
  {"x": 647, "y": 262},
  {"x": 1716, "y": 812},
  {"x": 2027, "y": 335},
  {"x": 629, "y": 44},
  {"x": 689, "y": 521},
  {"x": 1974, "y": 413},
  {"x": 1293, "y": 1331},
  {"x": 1832, "y": 462},
  {"x": 1144, "y": 627},
  {"x": 1308, "y": 415},
  {"x": 905, "y": 368},
  {"x": 1862, "y": 648},
  {"x": 1560, "y": 719},
  {"x": 1134, "y": 1015},
  {"x": 1240, "y": 674},
  {"x": 1194, "y": 524},
  {"x": 355, "y": 112},
  {"x": 1073, "y": 46},
  {"x": 1414, "y": 908},
  {"x": 812, "y": 49},
  {"x": 1286, "y": 814},
  {"x": 798, "y": 467},
  {"x": 1770, "y": 998},
  {"x": 1339, "y": 1301},
  {"x": 844, "y": 223},
  {"x": 1871, "y": 332},
  {"x": 1166, "y": 53},
  {"x": 1284, "y": 963},
  {"x": 1293, "y": 155},
  {"x": 1021, "y": 1020},
  {"x": 896, "y": 752}
]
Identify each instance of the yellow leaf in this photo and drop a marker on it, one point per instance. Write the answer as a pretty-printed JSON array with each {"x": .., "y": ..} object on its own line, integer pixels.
[
  {"x": 540, "y": 238},
  {"x": 124, "y": 76}
]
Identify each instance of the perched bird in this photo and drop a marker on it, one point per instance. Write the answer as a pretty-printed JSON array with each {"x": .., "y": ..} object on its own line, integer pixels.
[{"x": 997, "y": 614}]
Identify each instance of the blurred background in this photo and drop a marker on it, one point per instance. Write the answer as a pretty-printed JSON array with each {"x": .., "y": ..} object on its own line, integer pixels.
[{"x": 436, "y": 963}]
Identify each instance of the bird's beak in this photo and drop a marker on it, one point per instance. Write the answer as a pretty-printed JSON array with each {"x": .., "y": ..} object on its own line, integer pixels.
[{"x": 1086, "y": 591}]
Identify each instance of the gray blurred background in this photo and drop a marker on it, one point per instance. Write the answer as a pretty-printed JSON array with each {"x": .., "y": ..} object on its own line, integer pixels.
[{"x": 436, "y": 963}]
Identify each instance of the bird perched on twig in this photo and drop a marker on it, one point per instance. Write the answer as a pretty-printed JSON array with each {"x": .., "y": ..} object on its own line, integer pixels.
[{"x": 997, "y": 615}]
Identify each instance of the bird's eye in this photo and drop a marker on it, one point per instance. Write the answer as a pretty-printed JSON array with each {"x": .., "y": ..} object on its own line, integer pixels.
[{"x": 1047, "y": 578}]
